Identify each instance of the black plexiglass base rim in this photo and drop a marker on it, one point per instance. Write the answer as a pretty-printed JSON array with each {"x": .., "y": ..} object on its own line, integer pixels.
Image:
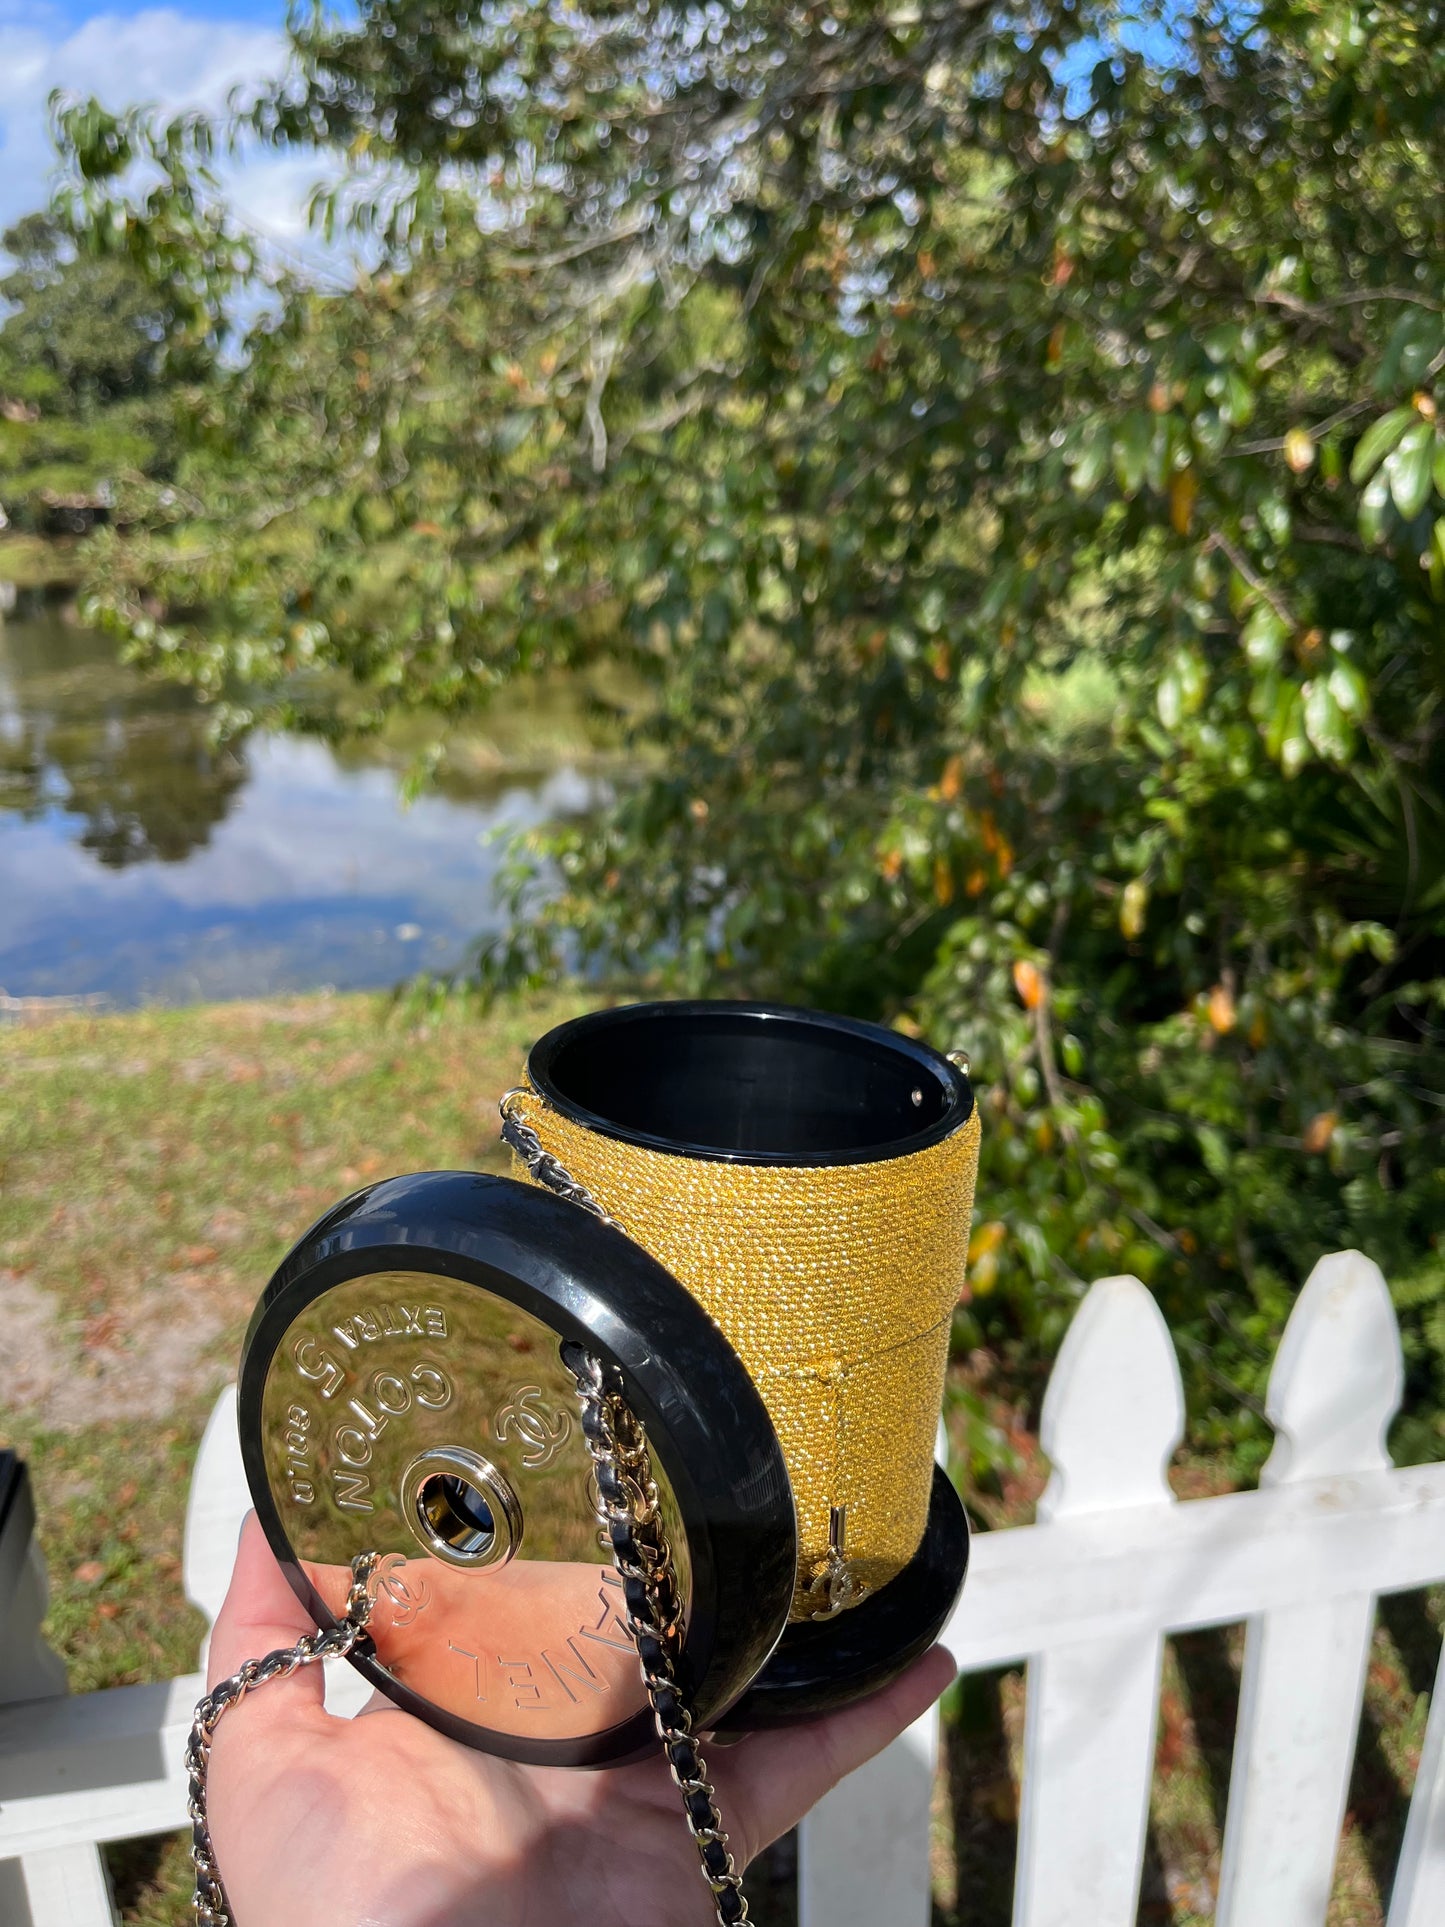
[
  {"x": 828, "y": 1663},
  {"x": 705, "y": 1421}
]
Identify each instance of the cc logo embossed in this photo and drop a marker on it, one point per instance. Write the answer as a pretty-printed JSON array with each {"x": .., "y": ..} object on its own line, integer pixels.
[{"x": 542, "y": 1430}]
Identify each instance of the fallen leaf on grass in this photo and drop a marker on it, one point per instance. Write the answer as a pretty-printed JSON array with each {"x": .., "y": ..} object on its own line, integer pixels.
[
  {"x": 99, "y": 1332},
  {"x": 89, "y": 1572}
]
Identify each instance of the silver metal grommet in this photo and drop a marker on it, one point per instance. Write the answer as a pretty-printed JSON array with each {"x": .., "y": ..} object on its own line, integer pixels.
[{"x": 460, "y": 1508}]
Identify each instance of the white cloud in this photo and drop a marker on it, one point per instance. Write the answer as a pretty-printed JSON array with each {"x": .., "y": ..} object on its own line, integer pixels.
[
  {"x": 162, "y": 57},
  {"x": 316, "y": 873}
]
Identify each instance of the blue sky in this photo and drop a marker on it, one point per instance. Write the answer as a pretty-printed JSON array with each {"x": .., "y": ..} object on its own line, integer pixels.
[{"x": 175, "y": 52}]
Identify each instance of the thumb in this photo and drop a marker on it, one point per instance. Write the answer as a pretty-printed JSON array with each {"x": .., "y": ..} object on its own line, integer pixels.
[
  {"x": 768, "y": 1785},
  {"x": 260, "y": 1615}
]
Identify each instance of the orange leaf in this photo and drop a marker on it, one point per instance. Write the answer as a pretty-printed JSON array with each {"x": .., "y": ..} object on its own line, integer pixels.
[
  {"x": 1319, "y": 1131},
  {"x": 983, "y": 1276},
  {"x": 986, "y": 1237},
  {"x": 1183, "y": 489},
  {"x": 1029, "y": 984},
  {"x": 1222, "y": 1016},
  {"x": 1307, "y": 646},
  {"x": 950, "y": 784}
]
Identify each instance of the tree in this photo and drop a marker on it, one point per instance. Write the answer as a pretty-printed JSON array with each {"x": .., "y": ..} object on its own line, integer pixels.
[
  {"x": 86, "y": 380},
  {"x": 1016, "y": 475}
]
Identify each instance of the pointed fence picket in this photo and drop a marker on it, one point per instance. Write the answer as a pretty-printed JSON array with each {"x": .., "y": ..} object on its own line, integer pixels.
[
  {"x": 1335, "y": 1387},
  {"x": 1084, "y": 1598}
]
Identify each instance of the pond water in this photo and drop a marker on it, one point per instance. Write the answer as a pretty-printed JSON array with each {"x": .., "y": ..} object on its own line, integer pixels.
[{"x": 138, "y": 861}]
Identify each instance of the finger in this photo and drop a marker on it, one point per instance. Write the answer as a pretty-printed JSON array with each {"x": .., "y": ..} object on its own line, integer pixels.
[
  {"x": 772, "y": 1782},
  {"x": 260, "y": 1615}
]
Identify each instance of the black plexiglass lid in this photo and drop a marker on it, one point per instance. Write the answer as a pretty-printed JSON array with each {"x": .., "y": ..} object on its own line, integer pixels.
[
  {"x": 751, "y": 1083},
  {"x": 584, "y": 1282}
]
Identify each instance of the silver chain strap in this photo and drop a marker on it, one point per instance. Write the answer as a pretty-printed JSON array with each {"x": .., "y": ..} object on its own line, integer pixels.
[
  {"x": 209, "y": 1902},
  {"x": 631, "y": 1516},
  {"x": 547, "y": 1170}
]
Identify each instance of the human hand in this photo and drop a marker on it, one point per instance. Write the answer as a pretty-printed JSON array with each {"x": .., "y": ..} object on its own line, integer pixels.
[{"x": 380, "y": 1821}]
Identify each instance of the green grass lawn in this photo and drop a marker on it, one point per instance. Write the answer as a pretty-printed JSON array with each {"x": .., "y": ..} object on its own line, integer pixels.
[{"x": 155, "y": 1166}]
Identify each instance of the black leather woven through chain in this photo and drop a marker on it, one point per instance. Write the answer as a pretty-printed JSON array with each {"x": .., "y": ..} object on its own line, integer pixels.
[{"x": 629, "y": 1510}]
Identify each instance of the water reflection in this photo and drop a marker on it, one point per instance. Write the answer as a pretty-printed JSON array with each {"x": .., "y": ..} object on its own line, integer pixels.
[
  {"x": 82, "y": 735},
  {"x": 137, "y": 860}
]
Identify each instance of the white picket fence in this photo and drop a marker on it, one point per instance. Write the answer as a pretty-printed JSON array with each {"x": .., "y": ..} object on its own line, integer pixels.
[{"x": 1084, "y": 1597}]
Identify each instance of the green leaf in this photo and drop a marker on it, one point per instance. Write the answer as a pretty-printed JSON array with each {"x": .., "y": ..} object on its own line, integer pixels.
[
  {"x": 1349, "y": 689},
  {"x": 1325, "y": 723},
  {"x": 1092, "y": 458},
  {"x": 1377, "y": 441},
  {"x": 1293, "y": 752},
  {"x": 1274, "y": 514},
  {"x": 1210, "y": 431},
  {"x": 1284, "y": 729},
  {"x": 1437, "y": 561},
  {"x": 1264, "y": 636},
  {"x": 1409, "y": 468},
  {"x": 1417, "y": 338},
  {"x": 1373, "y": 506},
  {"x": 1237, "y": 405},
  {"x": 1213, "y": 1150},
  {"x": 1131, "y": 450}
]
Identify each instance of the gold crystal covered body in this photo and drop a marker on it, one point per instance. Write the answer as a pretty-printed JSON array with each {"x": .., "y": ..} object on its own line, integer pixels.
[{"x": 835, "y": 1284}]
